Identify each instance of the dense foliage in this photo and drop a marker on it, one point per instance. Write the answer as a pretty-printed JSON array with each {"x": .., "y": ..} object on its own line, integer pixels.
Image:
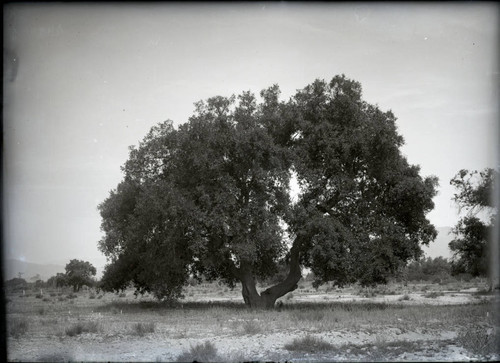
[
  {"x": 470, "y": 247},
  {"x": 428, "y": 269},
  {"x": 78, "y": 273},
  {"x": 212, "y": 197}
]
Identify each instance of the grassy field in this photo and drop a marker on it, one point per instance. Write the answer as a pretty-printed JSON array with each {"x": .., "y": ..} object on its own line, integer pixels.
[{"x": 426, "y": 322}]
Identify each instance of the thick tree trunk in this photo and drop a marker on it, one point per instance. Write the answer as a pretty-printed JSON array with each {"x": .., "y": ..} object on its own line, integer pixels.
[{"x": 268, "y": 297}]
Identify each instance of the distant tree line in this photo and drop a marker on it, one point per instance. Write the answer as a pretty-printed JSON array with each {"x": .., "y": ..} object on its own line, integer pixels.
[{"x": 78, "y": 274}]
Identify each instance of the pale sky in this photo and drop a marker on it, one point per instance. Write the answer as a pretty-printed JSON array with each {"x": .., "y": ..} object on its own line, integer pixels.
[{"x": 93, "y": 79}]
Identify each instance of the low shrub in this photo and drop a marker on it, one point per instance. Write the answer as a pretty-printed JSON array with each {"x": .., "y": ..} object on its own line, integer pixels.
[
  {"x": 17, "y": 327},
  {"x": 38, "y": 296},
  {"x": 309, "y": 344},
  {"x": 92, "y": 296},
  {"x": 433, "y": 294},
  {"x": 203, "y": 352},
  {"x": 479, "y": 340},
  {"x": 251, "y": 327},
  {"x": 404, "y": 297},
  {"x": 82, "y": 327},
  {"x": 55, "y": 357},
  {"x": 143, "y": 328},
  {"x": 122, "y": 294}
]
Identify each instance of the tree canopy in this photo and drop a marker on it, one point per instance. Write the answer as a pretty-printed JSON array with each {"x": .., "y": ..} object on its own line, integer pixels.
[
  {"x": 78, "y": 273},
  {"x": 212, "y": 197},
  {"x": 474, "y": 196}
]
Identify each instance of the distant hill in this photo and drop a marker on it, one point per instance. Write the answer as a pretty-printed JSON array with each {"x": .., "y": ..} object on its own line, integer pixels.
[
  {"x": 440, "y": 246},
  {"x": 13, "y": 267}
]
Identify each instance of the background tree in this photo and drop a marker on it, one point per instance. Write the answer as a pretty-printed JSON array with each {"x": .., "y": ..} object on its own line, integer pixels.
[
  {"x": 79, "y": 273},
  {"x": 59, "y": 280},
  {"x": 212, "y": 198},
  {"x": 474, "y": 196},
  {"x": 428, "y": 269}
]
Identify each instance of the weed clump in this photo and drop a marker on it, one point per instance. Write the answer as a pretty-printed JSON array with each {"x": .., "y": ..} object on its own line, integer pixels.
[
  {"x": 143, "y": 328},
  {"x": 309, "y": 344},
  {"x": 250, "y": 327},
  {"x": 433, "y": 294},
  {"x": 405, "y": 297},
  {"x": 203, "y": 352},
  {"x": 17, "y": 327},
  {"x": 479, "y": 340},
  {"x": 82, "y": 327},
  {"x": 55, "y": 357}
]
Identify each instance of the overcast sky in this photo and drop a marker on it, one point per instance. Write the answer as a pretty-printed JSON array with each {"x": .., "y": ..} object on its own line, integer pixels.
[{"x": 90, "y": 80}]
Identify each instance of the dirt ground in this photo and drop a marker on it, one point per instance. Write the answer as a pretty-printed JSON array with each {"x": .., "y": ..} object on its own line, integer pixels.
[{"x": 412, "y": 325}]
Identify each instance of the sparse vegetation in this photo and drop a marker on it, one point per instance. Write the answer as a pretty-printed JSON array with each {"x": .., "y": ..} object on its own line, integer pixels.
[
  {"x": 55, "y": 357},
  {"x": 433, "y": 294},
  {"x": 203, "y": 352},
  {"x": 82, "y": 327},
  {"x": 143, "y": 328},
  {"x": 405, "y": 297},
  {"x": 480, "y": 339},
  {"x": 251, "y": 327},
  {"x": 309, "y": 344},
  {"x": 17, "y": 327},
  {"x": 139, "y": 317}
]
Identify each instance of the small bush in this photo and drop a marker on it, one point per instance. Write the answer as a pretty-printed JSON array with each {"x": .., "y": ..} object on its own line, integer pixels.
[
  {"x": 433, "y": 294},
  {"x": 41, "y": 311},
  {"x": 404, "y": 297},
  {"x": 46, "y": 299},
  {"x": 38, "y": 296},
  {"x": 53, "y": 294},
  {"x": 61, "y": 298},
  {"x": 55, "y": 357},
  {"x": 143, "y": 328},
  {"x": 72, "y": 296},
  {"x": 122, "y": 295},
  {"x": 82, "y": 327},
  {"x": 309, "y": 344},
  {"x": 17, "y": 327},
  {"x": 308, "y": 315},
  {"x": 250, "y": 327},
  {"x": 99, "y": 297},
  {"x": 203, "y": 352},
  {"x": 479, "y": 340},
  {"x": 92, "y": 296}
]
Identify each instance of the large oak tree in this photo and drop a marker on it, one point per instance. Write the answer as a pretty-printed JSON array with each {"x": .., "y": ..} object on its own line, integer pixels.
[{"x": 212, "y": 197}]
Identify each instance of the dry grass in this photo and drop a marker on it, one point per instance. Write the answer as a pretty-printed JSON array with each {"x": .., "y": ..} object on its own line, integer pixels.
[
  {"x": 203, "y": 352},
  {"x": 115, "y": 317},
  {"x": 82, "y": 327},
  {"x": 481, "y": 340},
  {"x": 310, "y": 344},
  {"x": 142, "y": 329},
  {"x": 17, "y": 327}
]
